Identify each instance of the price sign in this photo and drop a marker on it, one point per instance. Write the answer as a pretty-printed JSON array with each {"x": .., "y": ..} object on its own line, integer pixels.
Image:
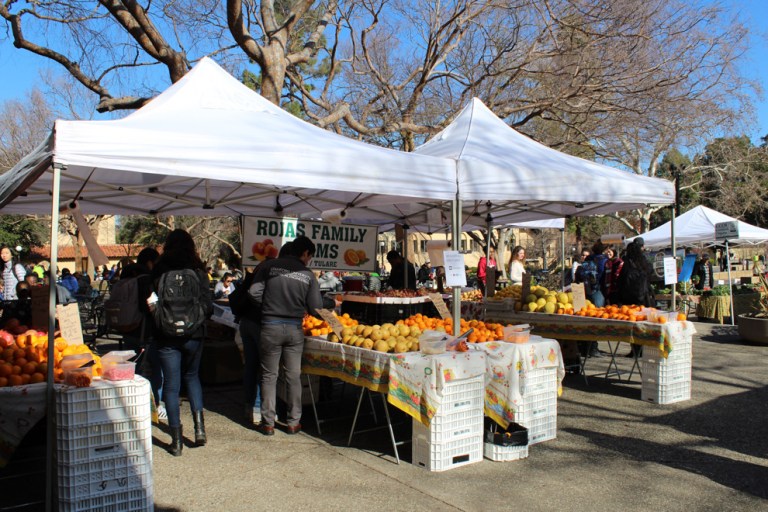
[
  {"x": 670, "y": 270},
  {"x": 526, "y": 291},
  {"x": 455, "y": 274},
  {"x": 727, "y": 230},
  {"x": 69, "y": 323},
  {"x": 579, "y": 297},
  {"x": 330, "y": 319},
  {"x": 439, "y": 303}
]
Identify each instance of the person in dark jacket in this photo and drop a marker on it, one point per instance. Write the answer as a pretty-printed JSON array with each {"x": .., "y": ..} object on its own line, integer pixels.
[
  {"x": 704, "y": 271},
  {"x": 180, "y": 357},
  {"x": 397, "y": 274},
  {"x": 635, "y": 282},
  {"x": 286, "y": 290}
]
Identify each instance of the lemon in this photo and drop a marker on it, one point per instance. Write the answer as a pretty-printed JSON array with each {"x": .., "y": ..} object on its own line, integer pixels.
[{"x": 549, "y": 307}]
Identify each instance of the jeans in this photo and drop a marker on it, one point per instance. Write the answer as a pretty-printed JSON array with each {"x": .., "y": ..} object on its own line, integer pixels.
[
  {"x": 177, "y": 361},
  {"x": 250, "y": 332},
  {"x": 281, "y": 339}
]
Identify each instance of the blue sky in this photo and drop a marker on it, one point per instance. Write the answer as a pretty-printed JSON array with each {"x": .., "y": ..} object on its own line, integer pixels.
[{"x": 20, "y": 70}]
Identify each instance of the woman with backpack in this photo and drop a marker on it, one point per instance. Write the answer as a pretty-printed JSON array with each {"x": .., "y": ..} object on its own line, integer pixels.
[
  {"x": 183, "y": 304},
  {"x": 635, "y": 282},
  {"x": 13, "y": 273}
]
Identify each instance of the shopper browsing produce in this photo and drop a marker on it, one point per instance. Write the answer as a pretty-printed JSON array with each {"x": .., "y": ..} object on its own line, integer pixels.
[
  {"x": 517, "y": 265},
  {"x": 286, "y": 290}
]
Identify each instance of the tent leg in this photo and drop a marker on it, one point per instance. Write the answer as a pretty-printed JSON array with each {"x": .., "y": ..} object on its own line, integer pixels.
[{"x": 455, "y": 235}]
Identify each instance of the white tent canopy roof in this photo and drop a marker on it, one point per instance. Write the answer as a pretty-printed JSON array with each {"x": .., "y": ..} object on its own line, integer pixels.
[
  {"x": 512, "y": 176},
  {"x": 697, "y": 227},
  {"x": 208, "y": 145}
]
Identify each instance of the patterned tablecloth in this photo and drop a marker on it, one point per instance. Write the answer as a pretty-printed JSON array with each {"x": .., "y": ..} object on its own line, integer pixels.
[
  {"x": 570, "y": 327},
  {"x": 21, "y": 407},
  {"x": 412, "y": 381},
  {"x": 507, "y": 366}
]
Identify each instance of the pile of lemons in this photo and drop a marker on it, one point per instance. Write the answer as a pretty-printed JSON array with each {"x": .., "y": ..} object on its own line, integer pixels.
[
  {"x": 514, "y": 291},
  {"x": 383, "y": 338},
  {"x": 541, "y": 300}
]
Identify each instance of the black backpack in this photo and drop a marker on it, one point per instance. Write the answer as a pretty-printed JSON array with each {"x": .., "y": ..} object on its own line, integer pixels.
[
  {"x": 179, "y": 311},
  {"x": 239, "y": 301},
  {"x": 589, "y": 276}
]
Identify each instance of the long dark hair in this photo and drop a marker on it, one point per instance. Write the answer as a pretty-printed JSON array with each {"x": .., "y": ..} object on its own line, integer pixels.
[
  {"x": 516, "y": 250},
  {"x": 179, "y": 251}
]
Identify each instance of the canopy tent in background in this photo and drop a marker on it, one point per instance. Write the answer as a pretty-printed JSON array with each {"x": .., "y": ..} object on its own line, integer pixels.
[
  {"x": 208, "y": 145},
  {"x": 697, "y": 227}
]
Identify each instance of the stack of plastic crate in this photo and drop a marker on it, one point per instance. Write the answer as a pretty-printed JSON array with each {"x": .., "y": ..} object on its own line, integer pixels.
[
  {"x": 455, "y": 435},
  {"x": 667, "y": 380},
  {"x": 538, "y": 410},
  {"x": 104, "y": 446},
  {"x": 511, "y": 444}
]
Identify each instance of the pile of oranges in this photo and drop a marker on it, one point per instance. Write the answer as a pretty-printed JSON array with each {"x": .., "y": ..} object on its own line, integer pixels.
[
  {"x": 26, "y": 360},
  {"x": 481, "y": 333},
  {"x": 631, "y": 313},
  {"x": 315, "y": 327}
]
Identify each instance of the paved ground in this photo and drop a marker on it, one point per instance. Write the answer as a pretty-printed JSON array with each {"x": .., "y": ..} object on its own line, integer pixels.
[{"x": 613, "y": 452}]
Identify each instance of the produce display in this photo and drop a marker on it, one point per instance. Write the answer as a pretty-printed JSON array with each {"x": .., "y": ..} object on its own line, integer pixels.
[
  {"x": 24, "y": 358},
  {"x": 316, "y": 327},
  {"x": 514, "y": 291},
  {"x": 383, "y": 338},
  {"x": 472, "y": 296},
  {"x": 421, "y": 292}
]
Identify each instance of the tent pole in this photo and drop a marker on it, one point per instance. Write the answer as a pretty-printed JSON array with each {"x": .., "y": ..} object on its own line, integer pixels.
[
  {"x": 562, "y": 258},
  {"x": 405, "y": 258},
  {"x": 50, "y": 397},
  {"x": 674, "y": 255},
  {"x": 456, "y": 290},
  {"x": 730, "y": 281},
  {"x": 488, "y": 227}
]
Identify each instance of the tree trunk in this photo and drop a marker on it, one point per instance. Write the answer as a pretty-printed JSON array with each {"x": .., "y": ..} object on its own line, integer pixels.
[{"x": 273, "y": 71}]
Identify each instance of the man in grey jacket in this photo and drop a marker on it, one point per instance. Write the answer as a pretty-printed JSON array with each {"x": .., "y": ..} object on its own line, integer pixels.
[{"x": 286, "y": 289}]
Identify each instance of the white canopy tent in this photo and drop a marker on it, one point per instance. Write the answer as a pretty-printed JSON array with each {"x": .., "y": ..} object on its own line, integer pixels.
[
  {"x": 697, "y": 227},
  {"x": 208, "y": 145}
]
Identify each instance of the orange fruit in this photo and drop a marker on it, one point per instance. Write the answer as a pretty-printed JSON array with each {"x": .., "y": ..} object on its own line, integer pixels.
[
  {"x": 8, "y": 354},
  {"x": 21, "y": 361},
  {"x": 14, "y": 380},
  {"x": 662, "y": 319},
  {"x": 3, "y": 382},
  {"x": 29, "y": 368},
  {"x": 681, "y": 317},
  {"x": 37, "y": 377},
  {"x": 19, "y": 353},
  {"x": 25, "y": 378},
  {"x": 15, "y": 370},
  {"x": 5, "y": 369},
  {"x": 351, "y": 258},
  {"x": 43, "y": 367}
]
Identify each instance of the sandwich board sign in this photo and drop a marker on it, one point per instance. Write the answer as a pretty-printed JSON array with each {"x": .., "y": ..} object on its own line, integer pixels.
[{"x": 727, "y": 230}]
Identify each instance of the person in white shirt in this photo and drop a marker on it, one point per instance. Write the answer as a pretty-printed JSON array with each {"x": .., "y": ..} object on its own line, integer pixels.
[
  {"x": 517, "y": 265},
  {"x": 224, "y": 287}
]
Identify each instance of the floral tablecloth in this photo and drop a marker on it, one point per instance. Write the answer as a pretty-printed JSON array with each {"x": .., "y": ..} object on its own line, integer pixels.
[
  {"x": 507, "y": 366},
  {"x": 412, "y": 381},
  {"x": 21, "y": 407},
  {"x": 570, "y": 327}
]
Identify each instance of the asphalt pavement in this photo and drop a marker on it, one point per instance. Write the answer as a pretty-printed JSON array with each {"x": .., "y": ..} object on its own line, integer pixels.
[{"x": 612, "y": 452}]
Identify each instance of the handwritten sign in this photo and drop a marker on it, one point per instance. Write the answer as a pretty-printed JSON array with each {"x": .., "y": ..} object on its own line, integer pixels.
[
  {"x": 455, "y": 273},
  {"x": 526, "y": 285},
  {"x": 670, "y": 270},
  {"x": 69, "y": 323},
  {"x": 439, "y": 303},
  {"x": 330, "y": 319},
  {"x": 579, "y": 297}
]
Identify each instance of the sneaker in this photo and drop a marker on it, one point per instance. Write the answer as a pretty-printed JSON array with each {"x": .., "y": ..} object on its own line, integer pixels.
[
  {"x": 162, "y": 414},
  {"x": 256, "y": 414}
]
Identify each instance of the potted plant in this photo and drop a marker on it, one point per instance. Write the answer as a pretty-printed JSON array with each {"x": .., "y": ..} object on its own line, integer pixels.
[{"x": 754, "y": 326}]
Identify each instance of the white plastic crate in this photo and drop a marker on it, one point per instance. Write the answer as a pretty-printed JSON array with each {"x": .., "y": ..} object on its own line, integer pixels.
[
  {"x": 661, "y": 375},
  {"x": 540, "y": 380},
  {"x": 445, "y": 456},
  {"x": 463, "y": 395},
  {"x": 543, "y": 428},
  {"x": 108, "y": 476},
  {"x": 103, "y": 402},
  {"x": 666, "y": 394},
  {"x": 105, "y": 440},
  {"x": 443, "y": 429},
  {"x": 536, "y": 406},
  {"x": 127, "y": 501},
  {"x": 504, "y": 453},
  {"x": 681, "y": 351}
]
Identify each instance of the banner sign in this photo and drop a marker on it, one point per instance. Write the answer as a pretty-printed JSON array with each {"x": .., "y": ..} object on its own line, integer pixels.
[{"x": 337, "y": 246}]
